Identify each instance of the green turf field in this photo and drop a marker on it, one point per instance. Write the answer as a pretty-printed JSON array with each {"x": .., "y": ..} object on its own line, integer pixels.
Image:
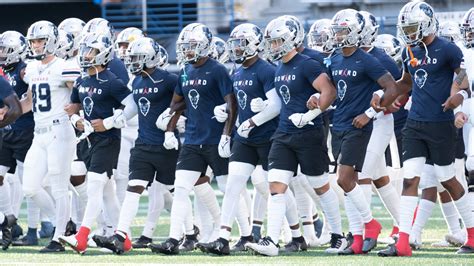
[{"x": 434, "y": 231}]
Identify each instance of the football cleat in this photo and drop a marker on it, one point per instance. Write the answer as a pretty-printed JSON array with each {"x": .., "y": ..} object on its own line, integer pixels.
[
  {"x": 218, "y": 247},
  {"x": 79, "y": 245},
  {"x": 265, "y": 247},
  {"x": 338, "y": 244},
  {"x": 169, "y": 247},
  {"x": 240, "y": 245},
  {"x": 296, "y": 244},
  {"x": 53, "y": 247},
  {"x": 142, "y": 242},
  {"x": 71, "y": 228}
]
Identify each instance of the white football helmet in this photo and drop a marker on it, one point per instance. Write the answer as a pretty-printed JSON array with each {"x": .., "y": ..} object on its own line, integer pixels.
[
  {"x": 320, "y": 37},
  {"x": 142, "y": 53},
  {"x": 370, "y": 29},
  {"x": 100, "y": 26},
  {"x": 73, "y": 26},
  {"x": 467, "y": 28},
  {"x": 280, "y": 37},
  {"x": 193, "y": 43},
  {"x": 416, "y": 21},
  {"x": 390, "y": 44},
  {"x": 346, "y": 28},
  {"x": 124, "y": 38},
  {"x": 245, "y": 41},
  {"x": 219, "y": 50},
  {"x": 42, "y": 30},
  {"x": 13, "y": 48},
  {"x": 164, "y": 58},
  {"x": 65, "y": 45},
  {"x": 95, "y": 49},
  {"x": 450, "y": 31},
  {"x": 299, "y": 30}
]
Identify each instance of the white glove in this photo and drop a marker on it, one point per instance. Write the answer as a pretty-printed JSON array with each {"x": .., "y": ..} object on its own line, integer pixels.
[
  {"x": 88, "y": 129},
  {"x": 220, "y": 113},
  {"x": 171, "y": 142},
  {"x": 300, "y": 120},
  {"x": 224, "y": 146},
  {"x": 244, "y": 129},
  {"x": 74, "y": 119},
  {"x": 117, "y": 120},
  {"x": 181, "y": 124},
  {"x": 408, "y": 104},
  {"x": 258, "y": 104},
  {"x": 164, "y": 119}
]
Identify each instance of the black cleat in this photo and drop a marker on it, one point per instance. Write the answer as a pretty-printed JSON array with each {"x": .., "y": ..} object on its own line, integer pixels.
[
  {"x": 47, "y": 230},
  {"x": 142, "y": 242},
  {"x": 115, "y": 243},
  {"x": 6, "y": 238},
  {"x": 71, "y": 228},
  {"x": 465, "y": 250},
  {"x": 52, "y": 247},
  {"x": 390, "y": 251},
  {"x": 27, "y": 240},
  {"x": 17, "y": 231},
  {"x": 369, "y": 244},
  {"x": 218, "y": 247},
  {"x": 296, "y": 244},
  {"x": 189, "y": 243},
  {"x": 350, "y": 239},
  {"x": 169, "y": 247},
  {"x": 240, "y": 245}
]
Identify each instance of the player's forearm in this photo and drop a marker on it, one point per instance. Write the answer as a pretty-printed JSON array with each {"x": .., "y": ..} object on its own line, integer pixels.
[
  {"x": 13, "y": 113},
  {"x": 26, "y": 105},
  {"x": 461, "y": 82},
  {"x": 326, "y": 99},
  {"x": 173, "y": 121},
  {"x": 232, "y": 111}
]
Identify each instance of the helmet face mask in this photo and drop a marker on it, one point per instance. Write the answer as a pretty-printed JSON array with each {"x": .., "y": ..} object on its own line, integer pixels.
[
  {"x": 95, "y": 50},
  {"x": 193, "y": 43},
  {"x": 245, "y": 42},
  {"x": 135, "y": 63},
  {"x": 346, "y": 28},
  {"x": 13, "y": 48},
  {"x": 42, "y": 39},
  {"x": 87, "y": 56},
  {"x": 320, "y": 37},
  {"x": 416, "y": 21},
  {"x": 280, "y": 37},
  {"x": 144, "y": 53},
  {"x": 467, "y": 29}
]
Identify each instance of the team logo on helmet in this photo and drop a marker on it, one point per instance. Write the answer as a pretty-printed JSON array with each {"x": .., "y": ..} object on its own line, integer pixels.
[
  {"x": 285, "y": 94},
  {"x": 194, "y": 98},
  {"x": 341, "y": 89},
  {"x": 420, "y": 77},
  {"x": 242, "y": 99},
  {"x": 427, "y": 10}
]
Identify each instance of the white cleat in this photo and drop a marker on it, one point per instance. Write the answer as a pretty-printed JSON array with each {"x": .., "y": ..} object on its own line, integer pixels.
[
  {"x": 338, "y": 244},
  {"x": 456, "y": 240},
  {"x": 415, "y": 242},
  {"x": 313, "y": 242},
  {"x": 386, "y": 240},
  {"x": 72, "y": 242},
  {"x": 441, "y": 244},
  {"x": 91, "y": 243},
  {"x": 265, "y": 247},
  {"x": 325, "y": 238}
]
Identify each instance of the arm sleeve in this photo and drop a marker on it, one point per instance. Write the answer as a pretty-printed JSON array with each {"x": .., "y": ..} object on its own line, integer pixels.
[
  {"x": 271, "y": 111},
  {"x": 130, "y": 109},
  {"x": 71, "y": 71}
]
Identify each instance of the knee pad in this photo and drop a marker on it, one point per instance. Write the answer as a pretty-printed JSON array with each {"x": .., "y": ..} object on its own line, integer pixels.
[
  {"x": 445, "y": 172},
  {"x": 96, "y": 178},
  {"x": 137, "y": 182},
  {"x": 259, "y": 176},
  {"x": 186, "y": 179},
  {"x": 470, "y": 163},
  {"x": 281, "y": 176},
  {"x": 4, "y": 170},
  {"x": 413, "y": 167},
  {"x": 318, "y": 181},
  {"x": 428, "y": 177},
  {"x": 29, "y": 191},
  {"x": 78, "y": 168},
  {"x": 239, "y": 168}
]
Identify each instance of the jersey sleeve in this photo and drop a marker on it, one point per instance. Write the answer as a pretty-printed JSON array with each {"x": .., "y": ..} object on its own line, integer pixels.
[
  {"x": 455, "y": 56},
  {"x": 178, "y": 88},
  {"x": 117, "y": 67},
  {"x": 5, "y": 88},
  {"x": 223, "y": 80},
  {"x": 267, "y": 78},
  {"x": 119, "y": 90},
  {"x": 71, "y": 71},
  {"x": 172, "y": 82},
  {"x": 311, "y": 70},
  {"x": 27, "y": 76},
  {"x": 373, "y": 68}
]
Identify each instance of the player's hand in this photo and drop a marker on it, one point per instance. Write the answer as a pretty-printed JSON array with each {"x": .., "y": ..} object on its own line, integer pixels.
[
  {"x": 375, "y": 103},
  {"x": 220, "y": 113},
  {"x": 171, "y": 142},
  {"x": 80, "y": 125},
  {"x": 452, "y": 102},
  {"x": 71, "y": 108},
  {"x": 98, "y": 125},
  {"x": 360, "y": 121},
  {"x": 258, "y": 104},
  {"x": 164, "y": 119},
  {"x": 313, "y": 102},
  {"x": 394, "y": 107},
  {"x": 181, "y": 124},
  {"x": 3, "y": 112},
  {"x": 460, "y": 119},
  {"x": 245, "y": 128},
  {"x": 224, "y": 146}
]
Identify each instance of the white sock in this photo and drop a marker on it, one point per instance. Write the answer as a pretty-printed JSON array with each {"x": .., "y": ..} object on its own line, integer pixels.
[
  {"x": 425, "y": 208},
  {"x": 33, "y": 211},
  {"x": 16, "y": 193},
  {"x": 330, "y": 206},
  {"x": 46, "y": 204},
  {"x": 156, "y": 204},
  {"x": 308, "y": 231},
  {"x": 121, "y": 185},
  {"x": 5, "y": 198},
  {"x": 128, "y": 211},
  {"x": 111, "y": 205},
  {"x": 451, "y": 216},
  {"x": 276, "y": 212},
  {"x": 180, "y": 209},
  {"x": 358, "y": 199},
  {"x": 367, "y": 188},
  {"x": 81, "y": 201},
  {"x": 407, "y": 210},
  {"x": 62, "y": 215},
  {"x": 202, "y": 218},
  {"x": 243, "y": 217},
  {"x": 168, "y": 197},
  {"x": 465, "y": 211},
  {"x": 259, "y": 204},
  {"x": 95, "y": 191},
  {"x": 356, "y": 225},
  {"x": 389, "y": 196},
  {"x": 206, "y": 194},
  {"x": 291, "y": 213},
  {"x": 230, "y": 203}
]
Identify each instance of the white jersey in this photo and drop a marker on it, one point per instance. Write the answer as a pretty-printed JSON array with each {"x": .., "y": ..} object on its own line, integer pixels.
[{"x": 50, "y": 94}]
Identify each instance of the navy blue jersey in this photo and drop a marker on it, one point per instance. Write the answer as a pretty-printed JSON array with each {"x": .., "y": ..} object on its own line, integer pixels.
[
  {"x": 354, "y": 77},
  {"x": 13, "y": 76},
  {"x": 250, "y": 83},
  {"x": 117, "y": 67},
  {"x": 5, "y": 89},
  {"x": 313, "y": 54},
  {"x": 100, "y": 97},
  {"x": 203, "y": 88},
  {"x": 152, "y": 98},
  {"x": 432, "y": 79},
  {"x": 294, "y": 84}
]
